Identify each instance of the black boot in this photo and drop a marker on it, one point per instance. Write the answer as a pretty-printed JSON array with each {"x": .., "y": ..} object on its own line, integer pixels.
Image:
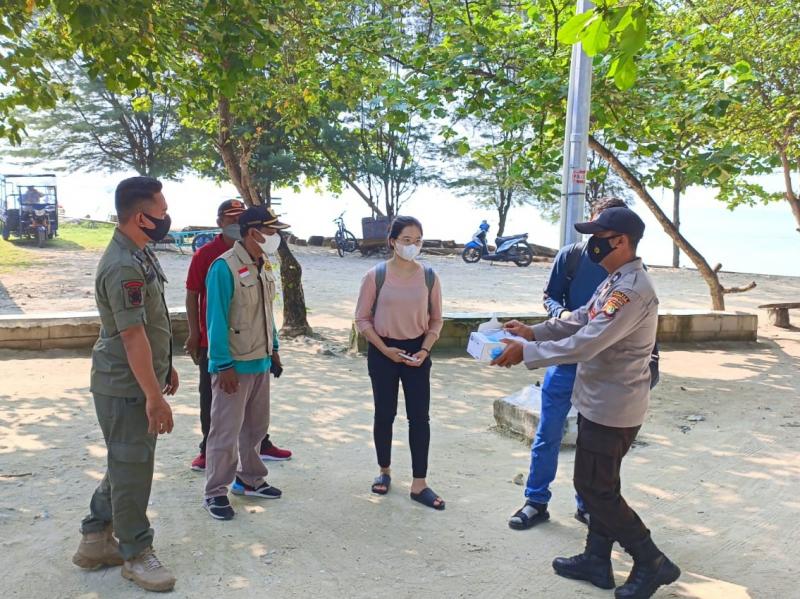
[
  {"x": 651, "y": 569},
  {"x": 593, "y": 565}
]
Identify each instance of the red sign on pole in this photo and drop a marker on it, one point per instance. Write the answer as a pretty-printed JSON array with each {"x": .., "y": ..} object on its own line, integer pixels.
[{"x": 579, "y": 176}]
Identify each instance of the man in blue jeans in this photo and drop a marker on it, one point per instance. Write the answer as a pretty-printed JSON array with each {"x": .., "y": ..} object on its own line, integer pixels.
[{"x": 573, "y": 280}]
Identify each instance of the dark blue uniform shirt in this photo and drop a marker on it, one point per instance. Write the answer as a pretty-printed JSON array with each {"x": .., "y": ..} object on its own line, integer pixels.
[{"x": 564, "y": 294}]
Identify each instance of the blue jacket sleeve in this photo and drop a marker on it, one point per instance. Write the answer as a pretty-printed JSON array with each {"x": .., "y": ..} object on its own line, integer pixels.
[
  {"x": 219, "y": 293},
  {"x": 556, "y": 290}
]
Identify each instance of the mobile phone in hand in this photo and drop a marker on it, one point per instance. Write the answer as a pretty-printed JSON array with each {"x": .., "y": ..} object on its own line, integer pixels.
[
  {"x": 276, "y": 370},
  {"x": 409, "y": 358}
]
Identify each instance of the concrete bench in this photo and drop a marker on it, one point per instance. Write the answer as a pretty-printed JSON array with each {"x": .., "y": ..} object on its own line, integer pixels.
[
  {"x": 674, "y": 326},
  {"x": 778, "y": 314},
  {"x": 521, "y": 412}
]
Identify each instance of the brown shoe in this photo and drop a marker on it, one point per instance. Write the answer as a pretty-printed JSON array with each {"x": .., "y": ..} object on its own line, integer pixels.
[
  {"x": 147, "y": 571},
  {"x": 98, "y": 550}
]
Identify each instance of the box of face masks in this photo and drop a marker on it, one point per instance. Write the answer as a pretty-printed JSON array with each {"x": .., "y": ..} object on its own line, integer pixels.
[{"x": 486, "y": 346}]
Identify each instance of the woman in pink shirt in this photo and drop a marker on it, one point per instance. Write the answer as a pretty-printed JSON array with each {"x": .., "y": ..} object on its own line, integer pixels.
[{"x": 399, "y": 311}]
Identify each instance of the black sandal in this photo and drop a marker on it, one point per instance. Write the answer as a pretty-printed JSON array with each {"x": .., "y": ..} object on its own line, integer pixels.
[
  {"x": 383, "y": 480},
  {"x": 521, "y": 521},
  {"x": 428, "y": 497}
]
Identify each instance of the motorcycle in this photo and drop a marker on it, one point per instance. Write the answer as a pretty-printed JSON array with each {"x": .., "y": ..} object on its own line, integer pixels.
[
  {"x": 513, "y": 248},
  {"x": 40, "y": 223}
]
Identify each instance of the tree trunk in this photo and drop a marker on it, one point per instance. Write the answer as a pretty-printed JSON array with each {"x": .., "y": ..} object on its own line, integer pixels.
[
  {"x": 501, "y": 225},
  {"x": 387, "y": 205},
  {"x": 709, "y": 274},
  {"x": 295, "y": 315},
  {"x": 791, "y": 196},
  {"x": 676, "y": 219},
  {"x": 268, "y": 194},
  {"x": 226, "y": 149},
  {"x": 295, "y": 320},
  {"x": 502, "y": 212}
]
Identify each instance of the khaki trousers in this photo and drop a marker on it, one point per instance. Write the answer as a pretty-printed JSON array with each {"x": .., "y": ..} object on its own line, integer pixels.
[{"x": 239, "y": 421}]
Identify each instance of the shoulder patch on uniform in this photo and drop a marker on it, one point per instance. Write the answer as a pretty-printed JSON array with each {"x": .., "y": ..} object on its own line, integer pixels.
[
  {"x": 132, "y": 290},
  {"x": 615, "y": 301}
]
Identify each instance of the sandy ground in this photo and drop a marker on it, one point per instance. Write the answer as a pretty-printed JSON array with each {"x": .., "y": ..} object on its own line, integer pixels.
[{"x": 720, "y": 493}]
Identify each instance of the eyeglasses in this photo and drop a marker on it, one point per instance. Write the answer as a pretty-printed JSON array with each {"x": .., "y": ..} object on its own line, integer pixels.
[{"x": 410, "y": 240}]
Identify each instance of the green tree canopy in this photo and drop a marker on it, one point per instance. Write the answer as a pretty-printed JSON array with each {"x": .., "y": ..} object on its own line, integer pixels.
[{"x": 95, "y": 129}]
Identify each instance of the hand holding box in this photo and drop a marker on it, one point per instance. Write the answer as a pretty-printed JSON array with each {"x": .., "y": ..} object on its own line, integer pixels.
[{"x": 487, "y": 346}]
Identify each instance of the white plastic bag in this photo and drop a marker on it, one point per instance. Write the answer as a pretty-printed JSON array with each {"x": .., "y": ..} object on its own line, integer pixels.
[{"x": 490, "y": 326}]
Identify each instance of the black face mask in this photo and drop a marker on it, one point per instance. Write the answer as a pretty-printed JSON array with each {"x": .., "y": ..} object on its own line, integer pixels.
[
  {"x": 599, "y": 247},
  {"x": 162, "y": 227}
]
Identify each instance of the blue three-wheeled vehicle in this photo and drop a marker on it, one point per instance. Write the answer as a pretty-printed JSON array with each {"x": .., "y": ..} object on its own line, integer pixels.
[{"x": 29, "y": 207}]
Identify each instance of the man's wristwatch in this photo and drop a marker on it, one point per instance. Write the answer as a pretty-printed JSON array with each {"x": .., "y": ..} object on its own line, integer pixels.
[{"x": 426, "y": 350}]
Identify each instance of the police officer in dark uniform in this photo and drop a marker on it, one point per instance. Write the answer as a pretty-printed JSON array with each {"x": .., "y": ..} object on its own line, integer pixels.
[{"x": 131, "y": 373}]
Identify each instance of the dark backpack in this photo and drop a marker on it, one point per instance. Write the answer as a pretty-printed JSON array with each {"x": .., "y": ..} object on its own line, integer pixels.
[
  {"x": 572, "y": 263},
  {"x": 380, "y": 278}
]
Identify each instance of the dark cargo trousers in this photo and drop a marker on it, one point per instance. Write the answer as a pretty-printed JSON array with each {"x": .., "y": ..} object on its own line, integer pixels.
[
  {"x": 598, "y": 460},
  {"x": 121, "y": 497}
]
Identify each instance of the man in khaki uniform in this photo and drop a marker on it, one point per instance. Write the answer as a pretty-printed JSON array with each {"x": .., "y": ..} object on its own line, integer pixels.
[
  {"x": 612, "y": 339},
  {"x": 242, "y": 348},
  {"x": 131, "y": 373}
]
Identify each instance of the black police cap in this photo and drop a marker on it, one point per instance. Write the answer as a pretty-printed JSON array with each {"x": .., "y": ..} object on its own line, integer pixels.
[
  {"x": 620, "y": 220},
  {"x": 258, "y": 216}
]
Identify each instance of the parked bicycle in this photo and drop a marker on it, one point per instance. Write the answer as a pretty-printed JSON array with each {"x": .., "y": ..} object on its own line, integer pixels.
[{"x": 345, "y": 241}]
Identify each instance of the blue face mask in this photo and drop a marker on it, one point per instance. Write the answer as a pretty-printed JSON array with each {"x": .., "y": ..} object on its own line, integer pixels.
[{"x": 232, "y": 232}]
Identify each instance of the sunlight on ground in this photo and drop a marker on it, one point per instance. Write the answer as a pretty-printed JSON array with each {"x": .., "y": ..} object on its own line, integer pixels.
[
  {"x": 702, "y": 587},
  {"x": 97, "y": 451},
  {"x": 94, "y": 474},
  {"x": 12, "y": 440},
  {"x": 258, "y": 550},
  {"x": 185, "y": 410},
  {"x": 656, "y": 492},
  {"x": 722, "y": 365},
  {"x": 238, "y": 582}
]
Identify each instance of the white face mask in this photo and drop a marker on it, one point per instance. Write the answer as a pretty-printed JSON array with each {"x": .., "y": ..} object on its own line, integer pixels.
[
  {"x": 270, "y": 244},
  {"x": 407, "y": 252}
]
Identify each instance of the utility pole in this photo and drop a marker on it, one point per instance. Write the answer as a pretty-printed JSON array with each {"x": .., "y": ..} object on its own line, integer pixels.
[{"x": 576, "y": 139}]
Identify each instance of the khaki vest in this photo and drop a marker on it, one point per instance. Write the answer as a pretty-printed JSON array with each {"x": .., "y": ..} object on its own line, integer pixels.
[{"x": 250, "y": 318}]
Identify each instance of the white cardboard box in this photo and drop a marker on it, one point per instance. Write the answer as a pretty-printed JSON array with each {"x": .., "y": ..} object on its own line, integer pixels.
[{"x": 481, "y": 345}]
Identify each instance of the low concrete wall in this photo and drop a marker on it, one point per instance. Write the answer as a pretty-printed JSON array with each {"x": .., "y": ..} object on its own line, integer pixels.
[
  {"x": 64, "y": 330},
  {"x": 71, "y": 330},
  {"x": 674, "y": 326},
  {"x": 456, "y": 330},
  {"x": 686, "y": 326}
]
